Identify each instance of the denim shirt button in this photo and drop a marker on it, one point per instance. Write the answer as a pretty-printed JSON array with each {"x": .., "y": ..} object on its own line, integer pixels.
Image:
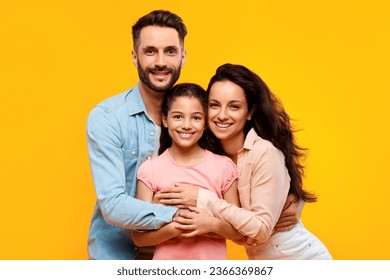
[{"x": 152, "y": 133}]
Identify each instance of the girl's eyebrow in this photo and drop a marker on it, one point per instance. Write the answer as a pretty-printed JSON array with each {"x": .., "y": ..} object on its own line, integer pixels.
[{"x": 179, "y": 112}]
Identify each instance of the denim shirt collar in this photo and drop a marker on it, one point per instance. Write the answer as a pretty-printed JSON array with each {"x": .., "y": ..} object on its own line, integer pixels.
[{"x": 135, "y": 99}]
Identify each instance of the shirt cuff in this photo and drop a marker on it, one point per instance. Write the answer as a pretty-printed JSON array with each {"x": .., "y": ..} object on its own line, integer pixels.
[
  {"x": 164, "y": 214},
  {"x": 204, "y": 199}
]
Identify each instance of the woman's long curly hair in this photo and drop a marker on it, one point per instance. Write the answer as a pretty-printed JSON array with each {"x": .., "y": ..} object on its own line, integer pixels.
[{"x": 270, "y": 121}]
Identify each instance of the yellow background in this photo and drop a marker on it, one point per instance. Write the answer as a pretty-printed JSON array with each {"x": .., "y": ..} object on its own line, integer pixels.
[{"x": 327, "y": 60}]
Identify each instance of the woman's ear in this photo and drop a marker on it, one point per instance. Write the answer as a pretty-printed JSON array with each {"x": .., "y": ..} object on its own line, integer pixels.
[{"x": 250, "y": 113}]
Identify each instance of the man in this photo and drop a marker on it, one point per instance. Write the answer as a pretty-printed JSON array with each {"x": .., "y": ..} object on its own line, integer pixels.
[{"x": 123, "y": 131}]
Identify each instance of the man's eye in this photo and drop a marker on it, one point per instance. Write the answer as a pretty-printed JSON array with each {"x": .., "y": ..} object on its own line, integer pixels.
[
  {"x": 172, "y": 52},
  {"x": 149, "y": 51}
]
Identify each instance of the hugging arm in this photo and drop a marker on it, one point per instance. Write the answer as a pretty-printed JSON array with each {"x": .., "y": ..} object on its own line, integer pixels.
[
  {"x": 266, "y": 194},
  {"x": 198, "y": 221},
  {"x": 185, "y": 195},
  {"x": 107, "y": 165},
  {"x": 153, "y": 237}
]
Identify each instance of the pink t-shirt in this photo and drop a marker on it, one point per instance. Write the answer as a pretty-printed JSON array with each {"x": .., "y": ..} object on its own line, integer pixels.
[{"x": 215, "y": 173}]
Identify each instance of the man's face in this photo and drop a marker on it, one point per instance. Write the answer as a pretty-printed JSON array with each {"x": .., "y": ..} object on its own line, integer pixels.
[{"x": 159, "y": 57}]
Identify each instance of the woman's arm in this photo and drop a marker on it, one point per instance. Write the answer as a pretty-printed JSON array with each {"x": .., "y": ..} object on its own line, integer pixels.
[
  {"x": 263, "y": 197},
  {"x": 184, "y": 195},
  {"x": 153, "y": 237},
  {"x": 198, "y": 221}
]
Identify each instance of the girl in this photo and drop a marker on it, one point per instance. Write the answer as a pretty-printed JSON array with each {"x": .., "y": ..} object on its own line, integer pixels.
[
  {"x": 183, "y": 158},
  {"x": 251, "y": 127}
]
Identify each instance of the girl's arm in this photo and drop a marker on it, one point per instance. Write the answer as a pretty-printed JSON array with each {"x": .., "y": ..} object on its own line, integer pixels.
[{"x": 153, "y": 237}]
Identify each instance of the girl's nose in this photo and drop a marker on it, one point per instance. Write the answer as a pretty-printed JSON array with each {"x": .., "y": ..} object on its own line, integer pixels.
[{"x": 186, "y": 124}]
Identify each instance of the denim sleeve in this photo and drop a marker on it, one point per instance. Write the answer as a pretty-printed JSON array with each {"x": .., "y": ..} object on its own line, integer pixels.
[{"x": 108, "y": 173}]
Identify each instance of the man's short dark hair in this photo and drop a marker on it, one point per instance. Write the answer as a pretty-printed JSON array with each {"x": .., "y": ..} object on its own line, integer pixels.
[{"x": 159, "y": 18}]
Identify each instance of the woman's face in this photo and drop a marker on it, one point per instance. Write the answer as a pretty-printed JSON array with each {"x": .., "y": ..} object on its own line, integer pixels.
[{"x": 227, "y": 111}]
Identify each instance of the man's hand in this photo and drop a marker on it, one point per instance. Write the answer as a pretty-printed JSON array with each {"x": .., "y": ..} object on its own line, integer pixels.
[
  {"x": 181, "y": 195},
  {"x": 290, "y": 215}
]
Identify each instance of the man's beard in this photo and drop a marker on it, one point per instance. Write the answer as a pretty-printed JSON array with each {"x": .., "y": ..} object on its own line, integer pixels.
[{"x": 144, "y": 77}]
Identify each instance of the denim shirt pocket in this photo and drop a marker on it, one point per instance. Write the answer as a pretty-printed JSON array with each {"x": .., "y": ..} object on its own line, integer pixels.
[{"x": 130, "y": 158}]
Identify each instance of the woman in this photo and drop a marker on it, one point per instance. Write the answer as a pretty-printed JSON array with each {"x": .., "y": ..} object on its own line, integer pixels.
[{"x": 250, "y": 125}]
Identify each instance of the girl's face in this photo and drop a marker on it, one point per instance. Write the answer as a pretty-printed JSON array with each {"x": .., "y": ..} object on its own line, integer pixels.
[
  {"x": 227, "y": 111},
  {"x": 185, "y": 121}
]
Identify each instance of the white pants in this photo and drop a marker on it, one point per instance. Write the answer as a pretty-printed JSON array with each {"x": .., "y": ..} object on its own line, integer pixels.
[{"x": 296, "y": 244}]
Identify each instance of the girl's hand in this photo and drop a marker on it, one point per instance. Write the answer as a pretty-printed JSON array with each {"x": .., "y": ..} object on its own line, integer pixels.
[{"x": 195, "y": 222}]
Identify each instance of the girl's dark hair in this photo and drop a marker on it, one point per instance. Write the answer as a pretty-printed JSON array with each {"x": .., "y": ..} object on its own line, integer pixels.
[
  {"x": 182, "y": 90},
  {"x": 159, "y": 18},
  {"x": 270, "y": 121}
]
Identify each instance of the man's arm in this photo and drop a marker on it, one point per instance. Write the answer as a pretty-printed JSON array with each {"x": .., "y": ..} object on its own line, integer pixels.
[
  {"x": 153, "y": 237},
  {"x": 290, "y": 215},
  {"x": 108, "y": 172}
]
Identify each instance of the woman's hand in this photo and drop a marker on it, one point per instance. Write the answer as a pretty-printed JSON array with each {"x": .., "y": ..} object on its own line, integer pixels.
[
  {"x": 195, "y": 222},
  {"x": 181, "y": 195}
]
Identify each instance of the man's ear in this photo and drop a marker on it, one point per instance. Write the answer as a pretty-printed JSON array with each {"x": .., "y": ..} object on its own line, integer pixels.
[
  {"x": 183, "y": 58},
  {"x": 134, "y": 58}
]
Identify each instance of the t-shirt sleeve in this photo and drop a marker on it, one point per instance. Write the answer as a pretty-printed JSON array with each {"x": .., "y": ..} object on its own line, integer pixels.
[
  {"x": 145, "y": 174},
  {"x": 230, "y": 173}
]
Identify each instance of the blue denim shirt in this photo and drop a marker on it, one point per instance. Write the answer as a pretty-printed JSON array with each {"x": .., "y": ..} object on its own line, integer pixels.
[{"x": 120, "y": 137}]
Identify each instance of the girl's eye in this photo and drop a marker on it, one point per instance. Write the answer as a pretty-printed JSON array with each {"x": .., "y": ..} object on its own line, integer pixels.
[
  {"x": 213, "y": 105},
  {"x": 197, "y": 118},
  {"x": 178, "y": 117}
]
